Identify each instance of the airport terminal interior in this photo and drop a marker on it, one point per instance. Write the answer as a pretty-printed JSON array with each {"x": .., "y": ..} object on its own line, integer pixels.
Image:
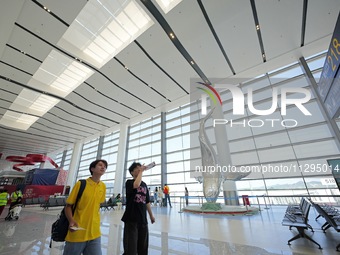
[
  {"x": 177, "y": 233},
  {"x": 236, "y": 101}
]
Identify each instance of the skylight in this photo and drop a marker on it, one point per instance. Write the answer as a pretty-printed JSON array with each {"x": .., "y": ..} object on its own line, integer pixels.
[
  {"x": 167, "y": 5},
  {"x": 104, "y": 28},
  {"x": 101, "y": 30}
]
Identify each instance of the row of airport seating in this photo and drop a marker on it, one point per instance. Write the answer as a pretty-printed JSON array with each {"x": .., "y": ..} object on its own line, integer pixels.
[
  {"x": 332, "y": 217},
  {"x": 60, "y": 201},
  {"x": 53, "y": 202},
  {"x": 297, "y": 216},
  {"x": 34, "y": 201},
  {"x": 107, "y": 206},
  {"x": 45, "y": 203}
]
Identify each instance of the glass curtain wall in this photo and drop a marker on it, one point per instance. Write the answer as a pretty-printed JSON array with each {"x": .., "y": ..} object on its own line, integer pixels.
[
  {"x": 181, "y": 123},
  {"x": 58, "y": 158},
  {"x": 67, "y": 161},
  {"x": 109, "y": 153},
  {"x": 298, "y": 153},
  {"x": 88, "y": 154},
  {"x": 144, "y": 146},
  {"x": 303, "y": 149}
]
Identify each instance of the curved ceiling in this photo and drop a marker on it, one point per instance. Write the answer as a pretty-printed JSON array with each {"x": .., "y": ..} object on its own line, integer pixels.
[{"x": 216, "y": 39}]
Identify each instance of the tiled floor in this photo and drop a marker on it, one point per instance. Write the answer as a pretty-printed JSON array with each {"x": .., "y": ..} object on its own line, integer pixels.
[{"x": 176, "y": 233}]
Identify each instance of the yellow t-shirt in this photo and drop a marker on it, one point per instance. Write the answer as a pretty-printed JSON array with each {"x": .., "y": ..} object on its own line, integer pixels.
[{"x": 87, "y": 212}]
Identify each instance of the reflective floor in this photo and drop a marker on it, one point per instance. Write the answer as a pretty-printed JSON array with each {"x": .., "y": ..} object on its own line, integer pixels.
[{"x": 175, "y": 233}]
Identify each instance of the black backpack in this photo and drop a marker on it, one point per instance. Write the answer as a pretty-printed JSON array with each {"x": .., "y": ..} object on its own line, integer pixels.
[{"x": 60, "y": 226}]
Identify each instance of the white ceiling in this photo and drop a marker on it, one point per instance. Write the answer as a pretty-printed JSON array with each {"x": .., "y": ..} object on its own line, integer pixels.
[{"x": 159, "y": 75}]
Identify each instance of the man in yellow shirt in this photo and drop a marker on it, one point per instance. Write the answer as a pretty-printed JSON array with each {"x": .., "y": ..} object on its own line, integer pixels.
[{"x": 84, "y": 235}]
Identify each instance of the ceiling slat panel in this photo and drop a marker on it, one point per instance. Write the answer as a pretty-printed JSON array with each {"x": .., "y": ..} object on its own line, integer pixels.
[
  {"x": 124, "y": 79},
  {"x": 234, "y": 24},
  {"x": 120, "y": 76},
  {"x": 8, "y": 86},
  {"x": 150, "y": 73},
  {"x": 20, "y": 61},
  {"x": 90, "y": 117},
  {"x": 9, "y": 12},
  {"x": 162, "y": 50},
  {"x": 15, "y": 75},
  {"x": 68, "y": 126},
  {"x": 106, "y": 102},
  {"x": 280, "y": 33},
  {"x": 190, "y": 27},
  {"x": 65, "y": 9},
  {"x": 26, "y": 42},
  {"x": 41, "y": 23},
  {"x": 321, "y": 19},
  {"x": 62, "y": 129},
  {"x": 68, "y": 119}
]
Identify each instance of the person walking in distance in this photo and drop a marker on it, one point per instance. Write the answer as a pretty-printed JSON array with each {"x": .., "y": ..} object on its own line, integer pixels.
[
  {"x": 166, "y": 192},
  {"x": 155, "y": 197},
  {"x": 160, "y": 196},
  {"x": 186, "y": 196},
  {"x": 84, "y": 235},
  {"x": 136, "y": 232}
]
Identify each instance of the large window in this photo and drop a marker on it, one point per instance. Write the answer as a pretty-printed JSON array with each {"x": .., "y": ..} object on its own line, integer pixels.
[
  {"x": 58, "y": 158},
  {"x": 109, "y": 153},
  {"x": 89, "y": 154},
  {"x": 144, "y": 146},
  {"x": 64, "y": 162},
  {"x": 282, "y": 159},
  {"x": 302, "y": 150},
  {"x": 181, "y": 124}
]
